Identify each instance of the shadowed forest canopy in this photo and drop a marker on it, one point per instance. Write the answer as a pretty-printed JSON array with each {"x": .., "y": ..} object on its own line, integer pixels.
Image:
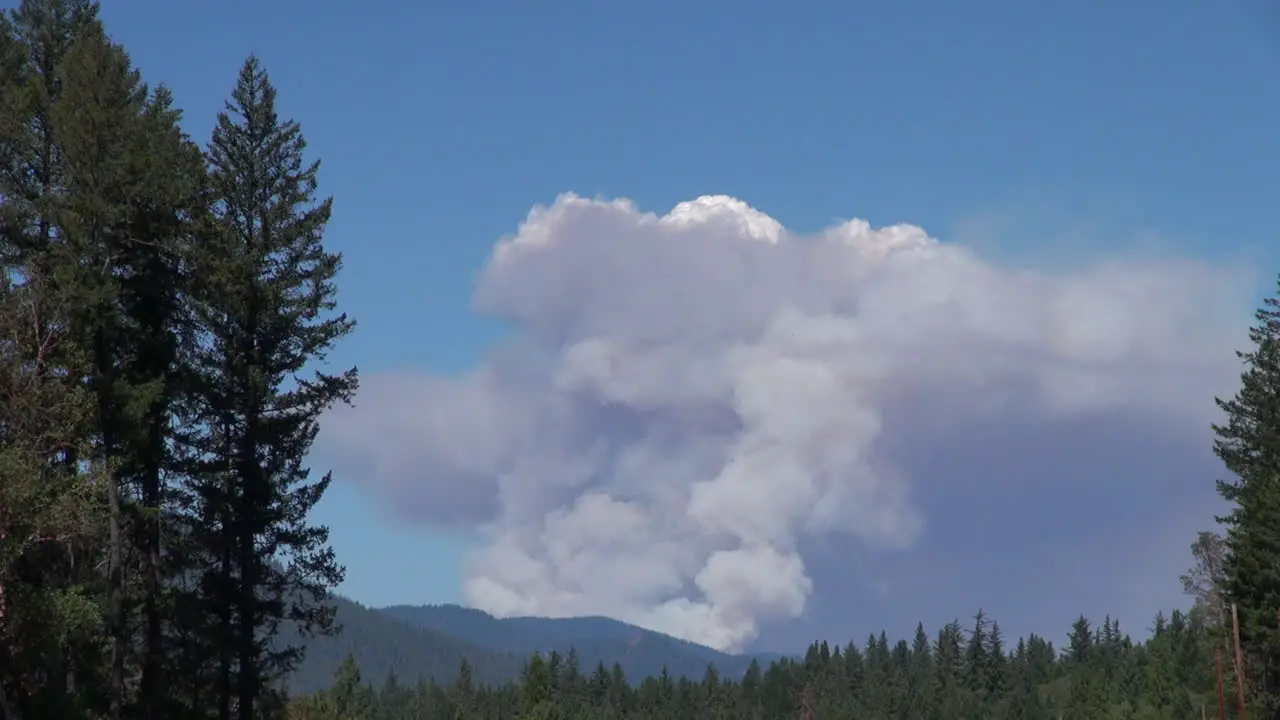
[{"x": 166, "y": 307}]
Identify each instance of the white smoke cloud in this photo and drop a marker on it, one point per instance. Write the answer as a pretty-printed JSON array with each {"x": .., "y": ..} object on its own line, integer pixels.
[{"x": 687, "y": 398}]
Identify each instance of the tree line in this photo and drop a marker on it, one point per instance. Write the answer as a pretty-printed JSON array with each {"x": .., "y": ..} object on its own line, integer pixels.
[
  {"x": 962, "y": 672},
  {"x": 165, "y": 310}
]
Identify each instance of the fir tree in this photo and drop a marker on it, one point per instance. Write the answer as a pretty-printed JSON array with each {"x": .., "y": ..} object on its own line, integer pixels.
[
  {"x": 132, "y": 184},
  {"x": 35, "y": 38},
  {"x": 536, "y": 697},
  {"x": 350, "y": 698},
  {"x": 1248, "y": 443},
  {"x": 96, "y": 118},
  {"x": 266, "y": 301}
]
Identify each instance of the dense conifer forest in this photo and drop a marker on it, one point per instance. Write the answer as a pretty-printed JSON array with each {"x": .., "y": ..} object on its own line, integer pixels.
[
  {"x": 165, "y": 311},
  {"x": 961, "y": 671}
]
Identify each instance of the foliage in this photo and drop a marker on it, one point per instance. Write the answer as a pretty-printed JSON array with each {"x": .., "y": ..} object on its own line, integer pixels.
[
  {"x": 136, "y": 319},
  {"x": 1248, "y": 443},
  {"x": 960, "y": 672},
  {"x": 384, "y": 646}
]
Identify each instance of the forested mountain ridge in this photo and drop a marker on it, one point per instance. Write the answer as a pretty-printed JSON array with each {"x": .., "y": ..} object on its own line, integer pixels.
[
  {"x": 641, "y": 653},
  {"x": 383, "y": 645},
  {"x": 431, "y": 642}
]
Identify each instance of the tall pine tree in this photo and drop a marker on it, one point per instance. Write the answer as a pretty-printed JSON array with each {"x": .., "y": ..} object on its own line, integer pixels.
[
  {"x": 163, "y": 226},
  {"x": 266, "y": 299}
]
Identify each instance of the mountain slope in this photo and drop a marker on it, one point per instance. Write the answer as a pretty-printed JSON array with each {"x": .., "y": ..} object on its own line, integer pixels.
[
  {"x": 381, "y": 643},
  {"x": 640, "y": 652}
]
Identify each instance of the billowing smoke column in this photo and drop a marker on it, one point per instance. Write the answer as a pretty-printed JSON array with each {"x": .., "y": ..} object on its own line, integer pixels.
[{"x": 686, "y": 398}]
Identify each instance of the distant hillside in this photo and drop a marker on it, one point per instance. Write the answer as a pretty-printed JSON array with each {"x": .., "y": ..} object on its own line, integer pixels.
[
  {"x": 381, "y": 643},
  {"x": 640, "y": 652}
]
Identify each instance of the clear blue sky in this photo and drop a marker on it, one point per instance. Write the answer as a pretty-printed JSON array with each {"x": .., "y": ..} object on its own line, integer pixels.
[{"x": 440, "y": 123}]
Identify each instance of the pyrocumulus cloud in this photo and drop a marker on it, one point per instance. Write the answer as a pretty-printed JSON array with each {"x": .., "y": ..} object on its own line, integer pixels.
[{"x": 687, "y": 398}]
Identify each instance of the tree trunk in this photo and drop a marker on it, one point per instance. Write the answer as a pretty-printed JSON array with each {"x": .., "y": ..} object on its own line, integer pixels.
[
  {"x": 116, "y": 628},
  {"x": 152, "y": 686},
  {"x": 250, "y": 507}
]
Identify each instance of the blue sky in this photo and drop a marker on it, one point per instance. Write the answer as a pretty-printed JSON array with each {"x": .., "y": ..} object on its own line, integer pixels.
[{"x": 1039, "y": 133}]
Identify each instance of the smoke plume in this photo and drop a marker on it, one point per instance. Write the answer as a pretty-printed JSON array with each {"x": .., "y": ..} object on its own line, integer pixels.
[{"x": 685, "y": 400}]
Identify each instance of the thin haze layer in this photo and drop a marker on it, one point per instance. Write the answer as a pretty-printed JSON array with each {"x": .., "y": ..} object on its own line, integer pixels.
[{"x": 688, "y": 399}]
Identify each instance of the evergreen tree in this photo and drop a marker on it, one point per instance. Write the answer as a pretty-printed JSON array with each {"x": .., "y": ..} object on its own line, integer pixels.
[
  {"x": 48, "y": 517},
  {"x": 165, "y": 222},
  {"x": 95, "y": 118},
  {"x": 35, "y": 38},
  {"x": 91, "y": 169},
  {"x": 976, "y": 663},
  {"x": 265, "y": 299},
  {"x": 132, "y": 183},
  {"x": 350, "y": 698},
  {"x": 920, "y": 675},
  {"x": 538, "y": 692},
  {"x": 463, "y": 693},
  {"x": 1248, "y": 443},
  {"x": 997, "y": 663}
]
